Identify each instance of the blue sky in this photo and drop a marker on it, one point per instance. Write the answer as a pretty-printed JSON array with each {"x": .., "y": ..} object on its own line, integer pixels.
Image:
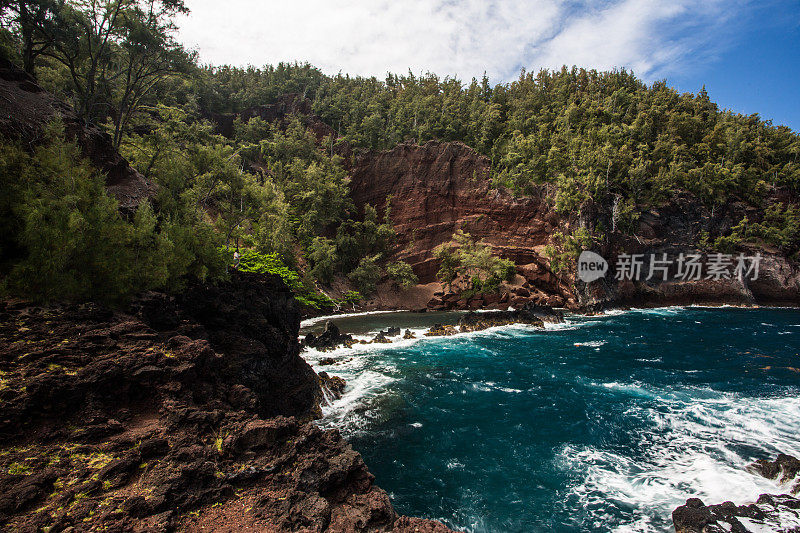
[
  {"x": 758, "y": 69},
  {"x": 746, "y": 52}
]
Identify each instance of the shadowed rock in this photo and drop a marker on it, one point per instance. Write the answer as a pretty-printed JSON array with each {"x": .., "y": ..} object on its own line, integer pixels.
[
  {"x": 329, "y": 339},
  {"x": 183, "y": 413},
  {"x": 26, "y": 108},
  {"x": 776, "y": 513}
]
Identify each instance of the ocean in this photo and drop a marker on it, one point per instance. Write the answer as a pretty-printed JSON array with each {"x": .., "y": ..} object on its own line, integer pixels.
[{"x": 602, "y": 423}]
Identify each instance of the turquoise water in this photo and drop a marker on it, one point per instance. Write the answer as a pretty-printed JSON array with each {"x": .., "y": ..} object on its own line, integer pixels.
[{"x": 599, "y": 424}]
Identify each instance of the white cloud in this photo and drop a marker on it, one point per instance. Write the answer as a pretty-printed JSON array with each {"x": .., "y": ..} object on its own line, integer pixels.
[{"x": 457, "y": 37}]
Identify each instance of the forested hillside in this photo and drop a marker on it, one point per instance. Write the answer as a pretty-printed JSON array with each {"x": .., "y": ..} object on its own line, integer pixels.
[{"x": 279, "y": 188}]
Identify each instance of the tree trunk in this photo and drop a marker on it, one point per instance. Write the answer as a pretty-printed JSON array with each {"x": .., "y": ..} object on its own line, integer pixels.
[{"x": 26, "y": 28}]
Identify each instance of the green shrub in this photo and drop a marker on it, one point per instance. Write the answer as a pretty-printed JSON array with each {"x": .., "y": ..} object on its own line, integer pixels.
[
  {"x": 322, "y": 255},
  {"x": 70, "y": 239},
  {"x": 260, "y": 263},
  {"x": 350, "y": 298},
  {"x": 564, "y": 249},
  {"x": 402, "y": 274},
  {"x": 366, "y": 274},
  {"x": 253, "y": 261},
  {"x": 465, "y": 257}
]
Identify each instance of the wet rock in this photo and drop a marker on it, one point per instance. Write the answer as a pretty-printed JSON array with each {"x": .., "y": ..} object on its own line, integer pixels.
[
  {"x": 694, "y": 517},
  {"x": 776, "y": 513},
  {"x": 530, "y": 314},
  {"x": 784, "y": 469},
  {"x": 329, "y": 339},
  {"x": 441, "y": 330},
  {"x": 381, "y": 338},
  {"x": 334, "y": 385},
  {"x": 544, "y": 313}
]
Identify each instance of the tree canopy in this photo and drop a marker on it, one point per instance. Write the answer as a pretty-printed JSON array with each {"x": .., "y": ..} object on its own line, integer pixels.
[{"x": 584, "y": 137}]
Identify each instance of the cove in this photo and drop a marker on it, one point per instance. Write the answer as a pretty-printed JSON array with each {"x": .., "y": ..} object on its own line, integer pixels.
[{"x": 599, "y": 424}]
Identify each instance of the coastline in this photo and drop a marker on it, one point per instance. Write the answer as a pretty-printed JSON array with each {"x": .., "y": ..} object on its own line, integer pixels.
[
  {"x": 190, "y": 412},
  {"x": 352, "y": 357},
  {"x": 311, "y": 320}
]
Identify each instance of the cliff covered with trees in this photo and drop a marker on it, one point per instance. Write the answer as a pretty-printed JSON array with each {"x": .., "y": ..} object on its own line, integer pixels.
[{"x": 291, "y": 163}]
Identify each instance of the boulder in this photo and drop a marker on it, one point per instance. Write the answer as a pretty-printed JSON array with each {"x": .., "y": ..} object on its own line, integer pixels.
[
  {"x": 441, "y": 330},
  {"x": 768, "y": 511},
  {"x": 329, "y": 339}
]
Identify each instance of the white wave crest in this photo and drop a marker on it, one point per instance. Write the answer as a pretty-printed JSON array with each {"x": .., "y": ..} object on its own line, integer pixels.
[{"x": 699, "y": 446}]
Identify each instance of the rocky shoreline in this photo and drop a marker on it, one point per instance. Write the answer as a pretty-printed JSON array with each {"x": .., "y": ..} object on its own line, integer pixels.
[
  {"x": 779, "y": 513},
  {"x": 770, "y": 512},
  {"x": 194, "y": 413},
  {"x": 530, "y": 314},
  {"x": 188, "y": 413}
]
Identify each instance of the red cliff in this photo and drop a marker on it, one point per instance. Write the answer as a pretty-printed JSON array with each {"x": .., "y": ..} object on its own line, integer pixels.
[{"x": 438, "y": 188}]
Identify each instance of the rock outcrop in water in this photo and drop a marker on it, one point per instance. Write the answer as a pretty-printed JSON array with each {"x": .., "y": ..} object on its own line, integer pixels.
[
  {"x": 187, "y": 413},
  {"x": 330, "y": 339},
  {"x": 776, "y": 513},
  {"x": 783, "y": 469},
  {"x": 530, "y": 314}
]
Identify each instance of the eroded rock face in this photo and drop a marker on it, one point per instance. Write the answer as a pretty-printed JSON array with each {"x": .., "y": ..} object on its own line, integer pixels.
[
  {"x": 439, "y": 187},
  {"x": 186, "y": 413},
  {"x": 25, "y": 108}
]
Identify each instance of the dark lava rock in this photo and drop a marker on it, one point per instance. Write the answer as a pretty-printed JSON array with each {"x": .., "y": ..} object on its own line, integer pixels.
[
  {"x": 329, "y": 339},
  {"x": 489, "y": 319},
  {"x": 530, "y": 314},
  {"x": 332, "y": 385},
  {"x": 778, "y": 513},
  {"x": 784, "y": 468},
  {"x": 543, "y": 313},
  {"x": 381, "y": 338},
  {"x": 441, "y": 330},
  {"x": 112, "y": 421}
]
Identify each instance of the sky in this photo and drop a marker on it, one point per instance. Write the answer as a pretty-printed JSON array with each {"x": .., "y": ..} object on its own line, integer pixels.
[{"x": 745, "y": 52}]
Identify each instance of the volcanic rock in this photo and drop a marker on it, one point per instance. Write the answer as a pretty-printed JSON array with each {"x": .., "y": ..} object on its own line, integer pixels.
[
  {"x": 440, "y": 187},
  {"x": 778, "y": 513},
  {"x": 111, "y": 422},
  {"x": 329, "y": 339},
  {"x": 440, "y": 330},
  {"x": 488, "y": 319}
]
